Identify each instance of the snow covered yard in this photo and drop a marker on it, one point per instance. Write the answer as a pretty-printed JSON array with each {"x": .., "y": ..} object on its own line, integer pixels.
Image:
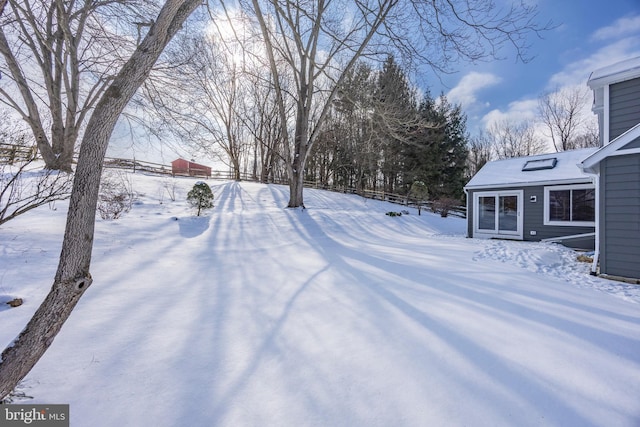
[{"x": 336, "y": 315}]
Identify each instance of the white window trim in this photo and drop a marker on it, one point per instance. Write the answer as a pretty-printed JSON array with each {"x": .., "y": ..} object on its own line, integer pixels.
[{"x": 565, "y": 223}]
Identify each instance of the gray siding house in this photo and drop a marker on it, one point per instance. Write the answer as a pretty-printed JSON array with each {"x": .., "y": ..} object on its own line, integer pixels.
[
  {"x": 584, "y": 198},
  {"x": 545, "y": 197},
  {"x": 615, "y": 169}
]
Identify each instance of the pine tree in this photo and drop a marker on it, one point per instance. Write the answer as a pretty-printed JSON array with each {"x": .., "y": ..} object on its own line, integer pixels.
[
  {"x": 200, "y": 197},
  {"x": 438, "y": 153},
  {"x": 394, "y": 117}
]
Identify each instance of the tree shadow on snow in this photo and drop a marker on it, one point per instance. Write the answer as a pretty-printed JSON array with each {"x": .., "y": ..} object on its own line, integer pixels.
[{"x": 193, "y": 226}]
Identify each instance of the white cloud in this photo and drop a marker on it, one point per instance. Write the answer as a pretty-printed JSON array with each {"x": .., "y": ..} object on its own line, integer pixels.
[
  {"x": 524, "y": 110},
  {"x": 620, "y": 28},
  {"x": 578, "y": 72},
  {"x": 617, "y": 42},
  {"x": 517, "y": 111},
  {"x": 465, "y": 92}
]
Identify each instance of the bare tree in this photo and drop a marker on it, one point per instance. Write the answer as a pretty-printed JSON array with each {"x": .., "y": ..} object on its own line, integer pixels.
[
  {"x": 563, "y": 113},
  {"x": 204, "y": 106},
  {"x": 262, "y": 121},
  {"x": 58, "y": 57},
  {"x": 511, "y": 139},
  {"x": 589, "y": 137},
  {"x": 310, "y": 39},
  {"x": 319, "y": 46},
  {"x": 73, "y": 278},
  {"x": 480, "y": 152},
  {"x": 23, "y": 185}
]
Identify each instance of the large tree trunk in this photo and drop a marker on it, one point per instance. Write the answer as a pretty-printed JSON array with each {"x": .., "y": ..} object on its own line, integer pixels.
[
  {"x": 298, "y": 164},
  {"x": 73, "y": 278},
  {"x": 296, "y": 184}
]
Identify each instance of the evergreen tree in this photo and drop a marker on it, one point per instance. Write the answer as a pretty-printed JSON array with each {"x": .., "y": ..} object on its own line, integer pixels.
[
  {"x": 378, "y": 136},
  {"x": 455, "y": 152},
  {"x": 200, "y": 197},
  {"x": 395, "y": 115},
  {"x": 439, "y": 150}
]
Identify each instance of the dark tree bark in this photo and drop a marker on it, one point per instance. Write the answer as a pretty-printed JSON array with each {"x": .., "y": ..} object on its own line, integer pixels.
[{"x": 73, "y": 278}]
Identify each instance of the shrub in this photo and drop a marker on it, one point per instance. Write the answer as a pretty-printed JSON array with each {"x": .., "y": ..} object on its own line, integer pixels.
[
  {"x": 200, "y": 197},
  {"x": 23, "y": 187},
  {"x": 420, "y": 192},
  {"x": 444, "y": 206},
  {"x": 170, "y": 185},
  {"x": 116, "y": 195}
]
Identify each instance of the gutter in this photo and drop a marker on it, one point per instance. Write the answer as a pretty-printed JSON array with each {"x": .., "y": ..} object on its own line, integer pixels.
[{"x": 515, "y": 185}]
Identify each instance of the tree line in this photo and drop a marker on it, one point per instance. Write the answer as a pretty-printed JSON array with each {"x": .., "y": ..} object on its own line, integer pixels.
[{"x": 382, "y": 134}]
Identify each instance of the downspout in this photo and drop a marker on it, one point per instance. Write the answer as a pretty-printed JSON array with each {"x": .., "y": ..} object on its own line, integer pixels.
[
  {"x": 596, "y": 253},
  {"x": 466, "y": 196}
]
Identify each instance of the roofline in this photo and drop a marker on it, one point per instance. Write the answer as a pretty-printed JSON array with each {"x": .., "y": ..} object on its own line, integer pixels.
[
  {"x": 616, "y": 76},
  {"x": 581, "y": 180},
  {"x": 609, "y": 149}
]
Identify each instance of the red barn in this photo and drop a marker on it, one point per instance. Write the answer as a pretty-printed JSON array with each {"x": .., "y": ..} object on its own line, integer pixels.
[{"x": 185, "y": 167}]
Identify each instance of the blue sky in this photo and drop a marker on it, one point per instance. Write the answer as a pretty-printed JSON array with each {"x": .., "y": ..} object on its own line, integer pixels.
[{"x": 589, "y": 34}]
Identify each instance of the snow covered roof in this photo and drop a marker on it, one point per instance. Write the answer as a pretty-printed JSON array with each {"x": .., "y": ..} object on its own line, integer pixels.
[
  {"x": 614, "y": 73},
  {"x": 510, "y": 173}
]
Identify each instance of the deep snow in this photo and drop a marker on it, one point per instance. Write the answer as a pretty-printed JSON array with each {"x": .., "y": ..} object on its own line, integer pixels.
[{"x": 336, "y": 315}]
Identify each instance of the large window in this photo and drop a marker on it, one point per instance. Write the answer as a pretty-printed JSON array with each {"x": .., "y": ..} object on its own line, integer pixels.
[{"x": 570, "y": 205}]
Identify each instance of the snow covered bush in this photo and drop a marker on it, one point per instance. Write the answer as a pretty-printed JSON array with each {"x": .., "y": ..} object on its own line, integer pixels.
[
  {"x": 200, "y": 197},
  {"x": 116, "y": 195}
]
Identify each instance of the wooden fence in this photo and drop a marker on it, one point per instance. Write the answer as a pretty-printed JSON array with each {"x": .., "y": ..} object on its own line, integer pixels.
[
  {"x": 161, "y": 169},
  {"x": 10, "y": 153},
  {"x": 399, "y": 199}
]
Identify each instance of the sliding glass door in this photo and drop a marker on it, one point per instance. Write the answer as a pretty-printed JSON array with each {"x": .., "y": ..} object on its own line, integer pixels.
[{"x": 498, "y": 214}]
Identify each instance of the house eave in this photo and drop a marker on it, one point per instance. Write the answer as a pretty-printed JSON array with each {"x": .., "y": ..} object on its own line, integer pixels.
[
  {"x": 582, "y": 180},
  {"x": 602, "y": 77},
  {"x": 589, "y": 164}
]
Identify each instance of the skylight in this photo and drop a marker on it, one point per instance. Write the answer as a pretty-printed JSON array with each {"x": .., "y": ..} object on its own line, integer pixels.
[{"x": 541, "y": 164}]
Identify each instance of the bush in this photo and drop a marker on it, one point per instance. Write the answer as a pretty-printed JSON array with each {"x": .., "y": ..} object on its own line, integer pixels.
[
  {"x": 116, "y": 195},
  {"x": 170, "y": 185},
  {"x": 23, "y": 187},
  {"x": 200, "y": 197},
  {"x": 444, "y": 206}
]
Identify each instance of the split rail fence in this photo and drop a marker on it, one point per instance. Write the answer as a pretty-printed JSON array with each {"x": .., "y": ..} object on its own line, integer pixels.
[
  {"x": 161, "y": 169},
  {"x": 399, "y": 199}
]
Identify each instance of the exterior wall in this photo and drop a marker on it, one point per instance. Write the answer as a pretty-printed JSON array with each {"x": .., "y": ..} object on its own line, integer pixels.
[
  {"x": 199, "y": 170},
  {"x": 180, "y": 166},
  {"x": 185, "y": 167},
  {"x": 534, "y": 219},
  {"x": 620, "y": 218},
  {"x": 624, "y": 107},
  {"x": 633, "y": 144}
]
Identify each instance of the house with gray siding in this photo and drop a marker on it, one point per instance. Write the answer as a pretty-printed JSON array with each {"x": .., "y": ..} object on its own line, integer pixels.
[
  {"x": 615, "y": 169},
  {"x": 538, "y": 198},
  {"x": 584, "y": 198}
]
